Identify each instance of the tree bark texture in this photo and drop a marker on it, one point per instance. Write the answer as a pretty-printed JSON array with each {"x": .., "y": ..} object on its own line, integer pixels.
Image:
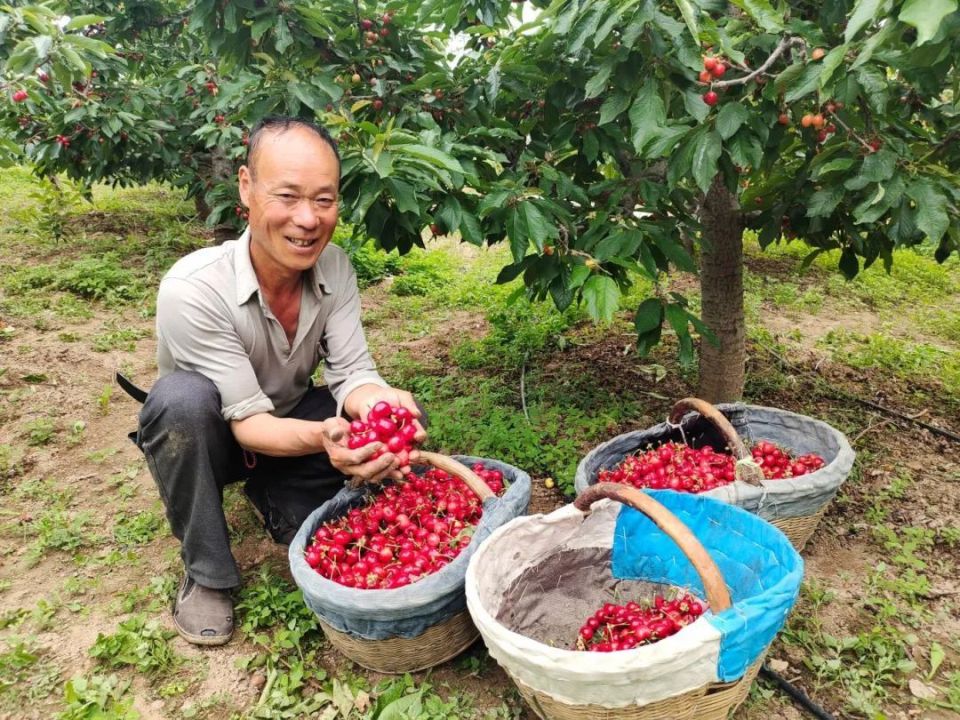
[{"x": 722, "y": 367}]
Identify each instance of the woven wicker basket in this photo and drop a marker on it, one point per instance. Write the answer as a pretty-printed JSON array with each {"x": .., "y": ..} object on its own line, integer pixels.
[
  {"x": 799, "y": 530},
  {"x": 711, "y": 702},
  {"x": 795, "y": 509},
  {"x": 438, "y": 643},
  {"x": 398, "y": 655}
]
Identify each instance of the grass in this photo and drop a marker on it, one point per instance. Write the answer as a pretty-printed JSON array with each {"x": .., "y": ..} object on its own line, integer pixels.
[{"x": 501, "y": 377}]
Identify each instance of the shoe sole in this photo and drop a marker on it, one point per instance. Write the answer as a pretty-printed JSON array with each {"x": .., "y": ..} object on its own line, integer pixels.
[{"x": 208, "y": 640}]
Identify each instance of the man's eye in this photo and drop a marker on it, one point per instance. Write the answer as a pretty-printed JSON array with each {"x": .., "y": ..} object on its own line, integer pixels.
[{"x": 287, "y": 196}]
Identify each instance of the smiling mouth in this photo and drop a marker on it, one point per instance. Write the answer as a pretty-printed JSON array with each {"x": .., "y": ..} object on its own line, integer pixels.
[{"x": 301, "y": 242}]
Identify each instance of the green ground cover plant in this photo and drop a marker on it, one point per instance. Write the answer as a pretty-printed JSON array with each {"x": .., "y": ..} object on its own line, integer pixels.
[{"x": 501, "y": 377}]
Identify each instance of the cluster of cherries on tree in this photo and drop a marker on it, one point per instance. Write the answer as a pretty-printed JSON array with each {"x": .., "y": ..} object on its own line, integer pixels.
[
  {"x": 676, "y": 466},
  {"x": 624, "y": 627},
  {"x": 410, "y": 530},
  {"x": 371, "y": 34},
  {"x": 714, "y": 68}
]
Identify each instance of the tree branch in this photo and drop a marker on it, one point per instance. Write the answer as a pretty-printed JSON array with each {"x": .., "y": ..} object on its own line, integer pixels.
[{"x": 780, "y": 49}]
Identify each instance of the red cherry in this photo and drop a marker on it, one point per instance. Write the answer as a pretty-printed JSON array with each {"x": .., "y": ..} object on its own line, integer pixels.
[{"x": 710, "y": 98}]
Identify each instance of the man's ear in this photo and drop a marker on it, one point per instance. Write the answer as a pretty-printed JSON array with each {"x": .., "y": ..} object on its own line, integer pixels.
[{"x": 244, "y": 182}]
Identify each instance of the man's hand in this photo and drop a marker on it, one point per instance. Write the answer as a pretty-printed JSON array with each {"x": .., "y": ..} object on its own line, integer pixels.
[
  {"x": 357, "y": 464},
  {"x": 362, "y": 399}
]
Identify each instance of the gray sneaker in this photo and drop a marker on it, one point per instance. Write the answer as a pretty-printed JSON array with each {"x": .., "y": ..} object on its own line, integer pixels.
[{"x": 203, "y": 616}]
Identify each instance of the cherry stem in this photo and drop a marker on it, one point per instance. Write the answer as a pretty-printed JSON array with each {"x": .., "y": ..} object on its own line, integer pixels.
[{"x": 780, "y": 49}]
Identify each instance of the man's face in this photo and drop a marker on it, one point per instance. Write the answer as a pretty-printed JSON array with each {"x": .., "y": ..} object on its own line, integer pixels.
[{"x": 290, "y": 189}]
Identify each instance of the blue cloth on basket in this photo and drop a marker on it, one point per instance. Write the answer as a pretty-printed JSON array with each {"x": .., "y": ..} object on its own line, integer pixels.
[{"x": 762, "y": 569}]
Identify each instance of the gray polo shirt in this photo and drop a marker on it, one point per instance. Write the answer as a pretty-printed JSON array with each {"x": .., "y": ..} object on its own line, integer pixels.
[{"x": 212, "y": 319}]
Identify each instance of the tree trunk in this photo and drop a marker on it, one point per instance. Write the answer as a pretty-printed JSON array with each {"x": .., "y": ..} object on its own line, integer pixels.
[
  {"x": 217, "y": 167},
  {"x": 721, "y": 284}
]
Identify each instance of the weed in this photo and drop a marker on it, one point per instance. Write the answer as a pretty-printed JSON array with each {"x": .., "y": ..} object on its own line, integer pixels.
[
  {"x": 153, "y": 597},
  {"x": 68, "y": 337},
  {"x": 137, "y": 643},
  {"x": 270, "y": 603},
  {"x": 57, "y": 198},
  {"x": 371, "y": 264},
  {"x": 98, "y": 277},
  {"x": 97, "y": 698},
  {"x": 77, "y": 430},
  {"x": 56, "y": 529},
  {"x": 119, "y": 339},
  {"x": 137, "y": 529},
  {"x": 40, "y": 431},
  {"x": 101, "y": 456},
  {"x": 26, "y": 676},
  {"x": 103, "y": 399},
  {"x": 11, "y": 465},
  {"x": 899, "y": 357},
  {"x": 70, "y": 307}
]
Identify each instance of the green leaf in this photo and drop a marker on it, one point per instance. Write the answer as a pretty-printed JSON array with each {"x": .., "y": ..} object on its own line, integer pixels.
[
  {"x": 409, "y": 706},
  {"x": 647, "y": 115},
  {"x": 706, "y": 153},
  {"x": 602, "y": 297},
  {"x": 404, "y": 195},
  {"x": 648, "y": 340},
  {"x": 517, "y": 232},
  {"x": 598, "y": 83},
  {"x": 284, "y": 36},
  {"x": 937, "y": 656},
  {"x": 746, "y": 149},
  {"x": 470, "y": 229},
  {"x": 675, "y": 253},
  {"x": 876, "y": 168},
  {"x": 864, "y": 13},
  {"x": 591, "y": 146},
  {"x": 81, "y": 21},
  {"x": 876, "y": 87},
  {"x": 431, "y": 155},
  {"x": 926, "y": 16},
  {"x": 730, "y": 118},
  {"x": 849, "y": 265},
  {"x": 823, "y": 202},
  {"x": 689, "y": 13},
  {"x": 788, "y": 77},
  {"x": 649, "y": 316},
  {"x": 808, "y": 260},
  {"x": 808, "y": 81},
  {"x": 678, "y": 318},
  {"x": 701, "y": 327},
  {"x": 877, "y": 39},
  {"x": 833, "y": 166},
  {"x": 450, "y": 213},
  {"x": 538, "y": 228},
  {"x": 613, "y": 106},
  {"x": 830, "y": 63},
  {"x": 762, "y": 13},
  {"x": 932, "y": 218},
  {"x": 578, "y": 275}
]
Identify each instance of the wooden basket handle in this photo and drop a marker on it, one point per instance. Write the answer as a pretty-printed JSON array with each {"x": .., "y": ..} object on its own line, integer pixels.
[
  {"x": 746, "y": 469},
  {"x": 718, "y": 596},
  {"x": 458, "y": 469}
]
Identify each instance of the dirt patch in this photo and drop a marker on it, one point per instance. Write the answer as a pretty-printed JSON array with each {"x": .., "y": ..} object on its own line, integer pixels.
[{"x": 96, "y": 471}]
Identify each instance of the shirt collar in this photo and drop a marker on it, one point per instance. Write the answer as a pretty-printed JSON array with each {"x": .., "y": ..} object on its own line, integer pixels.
[{"x": 247, "y": 283}]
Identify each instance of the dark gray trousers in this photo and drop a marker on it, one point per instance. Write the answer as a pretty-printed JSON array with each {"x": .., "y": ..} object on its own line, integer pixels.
[{"x": 193, "y": 455}]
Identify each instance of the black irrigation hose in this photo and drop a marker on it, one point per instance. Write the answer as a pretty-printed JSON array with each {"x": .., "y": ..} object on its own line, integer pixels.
[
  {"x": 795, "y": 693},
  {"x": 840, "y": 395}
]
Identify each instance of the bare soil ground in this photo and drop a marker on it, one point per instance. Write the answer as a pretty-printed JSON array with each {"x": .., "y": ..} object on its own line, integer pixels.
[{"x": 96, "y": 472}]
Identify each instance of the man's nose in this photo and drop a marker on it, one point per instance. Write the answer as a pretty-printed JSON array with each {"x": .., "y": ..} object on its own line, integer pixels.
[{"x": 305, "y": 216}]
